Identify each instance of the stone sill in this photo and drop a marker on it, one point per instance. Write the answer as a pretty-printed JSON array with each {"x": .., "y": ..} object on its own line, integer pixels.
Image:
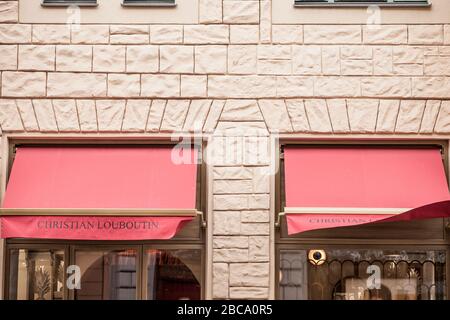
[
  {"x": 361, "y": 5},
  {"x": 61, "y": 4}
]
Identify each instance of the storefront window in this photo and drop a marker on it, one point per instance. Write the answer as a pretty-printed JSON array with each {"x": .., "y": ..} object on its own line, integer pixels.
[
  {"x": 343, "y": 274},
  {"x": 36, "y": 274},
  {"x": 173, "y": 274},
  {"x": 107, "y": 275},
  {"x": 104, "y": 272}
]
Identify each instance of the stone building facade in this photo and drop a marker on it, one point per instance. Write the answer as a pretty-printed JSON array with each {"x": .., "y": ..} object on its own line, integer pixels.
[{"x": 240, "y": 72}]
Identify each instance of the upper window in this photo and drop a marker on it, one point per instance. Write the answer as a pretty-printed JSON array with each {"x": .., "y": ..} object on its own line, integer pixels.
[
  {"x": 148, "y": 2},
  {"x": 69, "y": 2},
  {"x": 362, "y": 2}
]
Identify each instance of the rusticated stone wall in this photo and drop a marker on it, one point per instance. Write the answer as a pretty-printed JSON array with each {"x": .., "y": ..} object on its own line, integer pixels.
[{"x": 234, "y": 75}]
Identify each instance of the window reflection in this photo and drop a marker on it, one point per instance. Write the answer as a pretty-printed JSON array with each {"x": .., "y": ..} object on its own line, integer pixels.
[
  {"x": 362, "y": 275},
  {"x": 107, "y": 275},
  {"x": 173, "y": 274},
  {"x": 36, "y": 274}
]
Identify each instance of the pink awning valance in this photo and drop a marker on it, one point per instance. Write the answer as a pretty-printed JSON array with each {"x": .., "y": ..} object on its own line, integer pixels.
[
  {"x": 330, "y": 187},
  {"x": 76, "y": 180}
]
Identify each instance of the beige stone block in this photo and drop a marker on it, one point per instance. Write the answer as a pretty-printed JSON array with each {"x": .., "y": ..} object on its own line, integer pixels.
[
  {"x": 87, "y": 115},
  {"x": 362, "y": 114},
  {"x": 64, "y": 84},
  {"x": 226, "y": 222},
  {"x": 176, "y": 59},
  {"x": 242, "y": 59},
  {"x": 407, "y": 54},
  {"x": 408, "y": 69},
  {"x": 337, "y": 87},
  {"x": 437, "y": 66},
  {"x": 386, "y": 87},
  {"x": 124, "y": 85},
  {"x": 232, "y": 186},
  {"x": 274, "y": 52},
  {"x": 9, "y": 115},
  {"x": 258, "y": 250},
  {"x": 206, "y": 34},
  {"x": 410, "y": 116},
  {"x": 193, "y": 86},
  {"x": 23, "y": 84},
  {"x": 337, "y": 109},
  {"x": 9, "y": 57},
  {"x": 244, "y": 34},
  {"x": 109, "y": 58},
  {"x": 317, "y": 114},
  {"x": 382, "y": 61},
  {"x": 443, "y": 121},
  {"x": 90, "y": 34},
  {"x": 430, "y": 115},
  {"x": 166, "y": 34},
  {"x": 332, "y": 34},
  {"x": 228, "y": 242},
  {"x": 220, "y": 276},
  {"x": 261, "y": 180},
  {"x": 331, "y": 62},
  {"x": 37, "y": 58},
  {"x": 160, "y": 85},
  {"x": 447, "y": 34},
  {"x": 241, "y": 293},
  {"x": 257, "y": 152},
  {"x": 26, "y": 111},
  {"x": 128, "y": 29},
  {"x": 276, "y": 115},
  {"x": 136, "y": 115},
  {"x": 240, "y": 11},
  {"x": 110, "y": 115},
  {"x": 195, "y": 119},
  {"x": 15, "y": 33},
  {"x": 255, "y": 216},
  {"x": 51, "y": 33},
  {"x": 230, "y": 202},
  {"x": 74, "y": 58},
  {"x": 259, "y": 201},
  {"x": 385, "y": 34},
  {"x": 239, "y": 110},
  {"x": 306, "y": 60},
  {"x": 142, "y": 59},
  {"x": 274, "y": 67},
  {"x": 297, "y": 114},
  {"x": 265, "y": 24},
  {"x": 213, "y": 115},
  {"x": 387, "y": 116},
  {"x": 241, "y": 86},
  {"x": 232, "y": 173},
  {"x": 230, "y": 255},
  {"x": 210, "y": 11},
  {"x": 431, "y": 87},
  {"x": 175, "y": 115},
  {"x": 295, "y": 86},
  {"x": 287, "y": 34},
  {"x": 129, "y": 39},
  {"x": 211, "y": 59},
  {"x": 155, "y": 115},
  {"x": 226, "y": 149},
  {"x": 356, "y": 67},
  {"x": 356, "y": 52},
  {"x": 9, "y": 11},
  {"x": 426, "y": 34},
  {"x": 45, "y": 115},
  {"x": 66, "y": 115},
  {"x": 249, "y": 274}
]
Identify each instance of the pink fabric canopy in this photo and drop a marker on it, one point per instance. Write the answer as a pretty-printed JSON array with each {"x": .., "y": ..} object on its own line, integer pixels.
[
  {"x": 99, "y": 178},
  {"x": 383, "y": 179}
]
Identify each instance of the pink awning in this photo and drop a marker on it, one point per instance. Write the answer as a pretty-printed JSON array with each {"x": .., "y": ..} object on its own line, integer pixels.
[
  {"x": 88, "y": 178},
  {"x": 335, "y": 187}
]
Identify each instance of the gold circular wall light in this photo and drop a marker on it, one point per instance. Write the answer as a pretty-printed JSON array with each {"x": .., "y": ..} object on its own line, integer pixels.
[{"x": 317, "y": 257}]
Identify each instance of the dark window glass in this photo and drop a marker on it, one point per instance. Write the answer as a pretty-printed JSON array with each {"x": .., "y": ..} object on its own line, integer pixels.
[
  {"x": 343, "y": 274},
  {"x": 36, "y": 274},
  {"x": 364, "y": 2},
  {"x": 151, "y": 2}
]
